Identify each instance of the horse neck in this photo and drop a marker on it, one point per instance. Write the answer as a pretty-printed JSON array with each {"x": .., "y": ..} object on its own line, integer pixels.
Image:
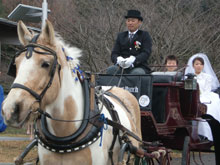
[{"x": 67, "y": 106}]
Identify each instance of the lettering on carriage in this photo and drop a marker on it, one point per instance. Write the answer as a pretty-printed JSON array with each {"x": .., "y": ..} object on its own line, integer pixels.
[{"x": 131, "y": 89}]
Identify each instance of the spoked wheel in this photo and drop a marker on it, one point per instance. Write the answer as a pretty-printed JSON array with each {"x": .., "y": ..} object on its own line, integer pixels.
[
  {"x": 164, "y": 160},
  {"x": 186, "y": 151}
]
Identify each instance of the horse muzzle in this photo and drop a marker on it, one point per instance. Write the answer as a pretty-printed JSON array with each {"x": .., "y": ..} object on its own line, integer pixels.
[{"x": 11, "y": 115}]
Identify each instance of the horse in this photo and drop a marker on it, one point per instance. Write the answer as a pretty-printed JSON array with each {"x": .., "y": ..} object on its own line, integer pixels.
[{"x": 49, "y": 90}]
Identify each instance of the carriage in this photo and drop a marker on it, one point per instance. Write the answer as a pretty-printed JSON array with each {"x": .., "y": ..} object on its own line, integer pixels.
[{"x": 169, "y": 106}]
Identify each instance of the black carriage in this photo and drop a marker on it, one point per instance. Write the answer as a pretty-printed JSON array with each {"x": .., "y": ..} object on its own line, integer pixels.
[{"x": 170, "y": 109}]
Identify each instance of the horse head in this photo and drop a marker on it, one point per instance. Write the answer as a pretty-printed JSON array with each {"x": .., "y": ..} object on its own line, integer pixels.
[{"x": 40, "y": 68}]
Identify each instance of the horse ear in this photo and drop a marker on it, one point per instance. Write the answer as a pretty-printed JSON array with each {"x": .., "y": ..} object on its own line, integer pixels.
[
  {"x": 24, "y": 34},
  {"x": 48, "y": 33}
]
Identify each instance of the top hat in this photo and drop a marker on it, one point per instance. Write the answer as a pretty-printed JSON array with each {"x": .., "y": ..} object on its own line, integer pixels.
[{"x": 134, "y": 14}]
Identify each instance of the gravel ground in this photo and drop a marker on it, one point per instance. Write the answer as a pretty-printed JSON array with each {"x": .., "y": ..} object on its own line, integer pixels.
[
  {"x": 4, "y": 138},
  {"x": 207, "y": 158}
]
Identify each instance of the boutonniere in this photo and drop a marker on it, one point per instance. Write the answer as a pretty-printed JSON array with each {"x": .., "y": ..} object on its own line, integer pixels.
[{"x": 137, "y": 45}]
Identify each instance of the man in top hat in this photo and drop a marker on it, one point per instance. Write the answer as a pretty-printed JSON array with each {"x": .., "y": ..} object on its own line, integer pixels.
[{"x": 132, "y": 48}]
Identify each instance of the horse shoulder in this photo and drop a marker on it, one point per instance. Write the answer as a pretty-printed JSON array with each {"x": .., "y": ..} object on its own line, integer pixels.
[
  {"x": 128, "y": 99},
  {"x": 132, "y": 105}
]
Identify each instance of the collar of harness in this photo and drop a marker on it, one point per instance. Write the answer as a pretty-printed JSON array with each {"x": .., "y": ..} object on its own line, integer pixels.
[
  {"x": 67, "y": 146},
  {"x": 76, "y": 141}
]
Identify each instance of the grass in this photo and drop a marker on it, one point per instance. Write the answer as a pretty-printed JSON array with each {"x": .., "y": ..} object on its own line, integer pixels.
[
  {"x": 9, "y": 150},
  {"x": 13, "y": 132}
]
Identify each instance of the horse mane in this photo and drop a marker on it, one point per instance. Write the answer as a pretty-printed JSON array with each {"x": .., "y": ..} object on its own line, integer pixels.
[{"x": 73, "y": 52}]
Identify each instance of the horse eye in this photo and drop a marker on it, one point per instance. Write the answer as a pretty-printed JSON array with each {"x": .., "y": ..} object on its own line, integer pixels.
[{"x": 45, "y": 64}]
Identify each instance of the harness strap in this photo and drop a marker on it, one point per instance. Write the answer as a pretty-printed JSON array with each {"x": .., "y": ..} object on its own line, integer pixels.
[
  {"x": 16, "y": 85},
  {"x": 114, "y": 115},
  {"x": 117, "y": 125},
  {"x": 118, "y": 99},
  {"x": 115, "y": 135},
  {"x": 122, "y": 128},
  {"x": 110, "y": 151},
  {"x": 30, "y": 49},
  {"x": 21, "y": 157}
]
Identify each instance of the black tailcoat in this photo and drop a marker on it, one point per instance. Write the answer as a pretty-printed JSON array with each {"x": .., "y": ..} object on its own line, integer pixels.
[{"x": 123, "y": 47}]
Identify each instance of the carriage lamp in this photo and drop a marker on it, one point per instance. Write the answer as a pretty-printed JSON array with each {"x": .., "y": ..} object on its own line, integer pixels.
[{"x": 190, "y": 82}]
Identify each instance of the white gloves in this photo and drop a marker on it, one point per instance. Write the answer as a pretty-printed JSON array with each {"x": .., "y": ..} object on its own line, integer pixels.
[
  {"x": 129, "y": 61},
  {"x": 125, "y": 62},
  {"x": 120, "y": 60}
]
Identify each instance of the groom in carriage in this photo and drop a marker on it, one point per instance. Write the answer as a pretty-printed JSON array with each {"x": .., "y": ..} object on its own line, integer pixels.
[{"x": 132, "y": 48}]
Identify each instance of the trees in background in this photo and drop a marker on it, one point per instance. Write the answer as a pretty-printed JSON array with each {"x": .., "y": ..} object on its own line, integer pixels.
[{"x": 179, "y": 27}]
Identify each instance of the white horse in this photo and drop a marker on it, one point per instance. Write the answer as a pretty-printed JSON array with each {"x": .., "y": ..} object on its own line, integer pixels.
[{"x": 47, "y": 59}]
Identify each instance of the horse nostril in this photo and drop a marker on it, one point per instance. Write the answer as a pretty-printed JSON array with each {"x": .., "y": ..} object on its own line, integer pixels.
[
  {"x": 15, "y": 113},
  {"x": 3, "y": 112},
  {"x": 16, "y": 110}
]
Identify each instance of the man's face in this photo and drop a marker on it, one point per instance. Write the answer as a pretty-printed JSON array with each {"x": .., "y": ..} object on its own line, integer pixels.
[
  {"x": 133, "y": 24},
  {"x": 171, "y": 65}
]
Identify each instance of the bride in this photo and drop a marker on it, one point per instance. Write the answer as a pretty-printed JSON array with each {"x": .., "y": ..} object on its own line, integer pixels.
[{"x": 199, "y": 65}]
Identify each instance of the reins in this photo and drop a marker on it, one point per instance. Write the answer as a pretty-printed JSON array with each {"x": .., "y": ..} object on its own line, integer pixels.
[
  {"x": 60, "y": 120},
  {"x": 113, "y": 76}
]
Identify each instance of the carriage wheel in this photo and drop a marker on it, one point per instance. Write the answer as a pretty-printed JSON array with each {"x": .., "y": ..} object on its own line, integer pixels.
[
  {"x": 186, "y": 151},
  {"x": 165, "y": 160}
]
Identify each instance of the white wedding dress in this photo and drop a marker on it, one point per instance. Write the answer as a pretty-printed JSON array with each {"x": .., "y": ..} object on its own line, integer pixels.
[
  {"x": 212, "y": 101},
  {"x": 208, "y": 82}
]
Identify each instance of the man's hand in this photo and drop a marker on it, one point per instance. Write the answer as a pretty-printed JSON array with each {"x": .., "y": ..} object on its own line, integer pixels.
[
  {"x": 120, "y": 60},
  {"x": 125, "y": 62},
  {"x": 129, "y": 61}
]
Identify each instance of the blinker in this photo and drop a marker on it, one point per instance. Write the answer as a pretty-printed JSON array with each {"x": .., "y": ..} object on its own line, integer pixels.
[
  {"x": 29, "y": 52},
  {"x": 12, "y": 68}
]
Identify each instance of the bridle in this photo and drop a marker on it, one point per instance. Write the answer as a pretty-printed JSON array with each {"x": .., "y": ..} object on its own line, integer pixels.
[{"x": 29, "y": 49}]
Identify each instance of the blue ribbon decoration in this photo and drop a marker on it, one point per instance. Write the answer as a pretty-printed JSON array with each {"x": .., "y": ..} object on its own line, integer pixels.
[
  {"x": 69, "y": 58},
  {"x": 104, "y": 127},
  {"x": 76, "y": 68},
  {"x": 73, "y": 70}
]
